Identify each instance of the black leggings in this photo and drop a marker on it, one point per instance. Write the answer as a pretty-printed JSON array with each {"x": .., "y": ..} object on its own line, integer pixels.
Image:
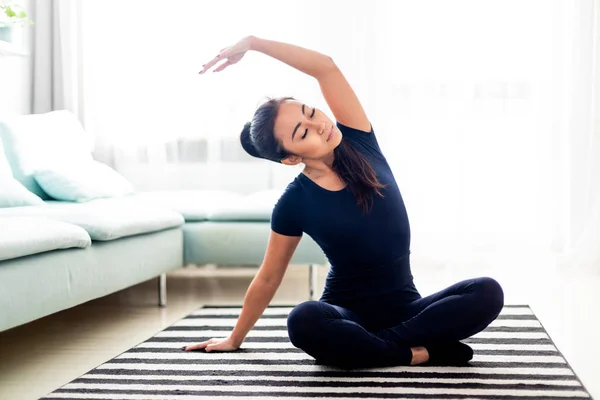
[{"x": 341, "y": 337}]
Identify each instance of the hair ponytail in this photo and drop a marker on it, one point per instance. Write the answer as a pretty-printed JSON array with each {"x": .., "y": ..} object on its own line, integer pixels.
[{"x": 354, "y": 169}]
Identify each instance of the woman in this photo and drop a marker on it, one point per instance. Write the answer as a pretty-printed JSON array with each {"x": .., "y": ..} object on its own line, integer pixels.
[{"x": 346, "y": 198}]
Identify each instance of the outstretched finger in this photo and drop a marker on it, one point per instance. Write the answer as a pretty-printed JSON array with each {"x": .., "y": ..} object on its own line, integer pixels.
[
  {"x": 221, "y": 56},
  {"x": 209, "y": 65},
  {"x": 223, "y": 66}
]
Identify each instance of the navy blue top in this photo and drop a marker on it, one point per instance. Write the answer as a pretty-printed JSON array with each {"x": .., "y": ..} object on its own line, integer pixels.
[{"x": 360, "y": 247}]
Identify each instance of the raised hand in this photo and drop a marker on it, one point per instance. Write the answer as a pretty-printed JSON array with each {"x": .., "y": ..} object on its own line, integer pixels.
[{"x": 231, "y": 55}]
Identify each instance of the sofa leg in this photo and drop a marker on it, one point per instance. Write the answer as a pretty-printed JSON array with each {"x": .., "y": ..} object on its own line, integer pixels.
[
  {"x": 162, "y": 290},
  {"x": 312, "y": 281}
]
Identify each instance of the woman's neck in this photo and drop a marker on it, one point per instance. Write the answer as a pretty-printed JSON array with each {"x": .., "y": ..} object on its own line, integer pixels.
[
  {"x": 319, "y": 167},
  {"x": 324, "y": 176}
]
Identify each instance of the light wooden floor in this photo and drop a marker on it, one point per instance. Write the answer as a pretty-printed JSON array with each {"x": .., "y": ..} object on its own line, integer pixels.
[{"x": 41, "y": 356}]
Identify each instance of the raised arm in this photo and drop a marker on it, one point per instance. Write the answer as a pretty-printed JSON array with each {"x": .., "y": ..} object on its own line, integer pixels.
[
  {"x": 279, "y": 252},
  {"x": 338, "y": 93}
]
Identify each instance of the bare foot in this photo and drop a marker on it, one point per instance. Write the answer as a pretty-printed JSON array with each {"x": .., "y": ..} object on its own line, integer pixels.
[{"x": 420, "y": 355}]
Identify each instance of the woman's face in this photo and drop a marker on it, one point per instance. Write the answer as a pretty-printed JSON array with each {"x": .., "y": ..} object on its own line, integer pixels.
[{"x": 306, "y": 131}]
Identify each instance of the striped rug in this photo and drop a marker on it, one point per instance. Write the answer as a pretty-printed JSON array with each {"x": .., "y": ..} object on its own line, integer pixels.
[{"x": 514, "y": 359}]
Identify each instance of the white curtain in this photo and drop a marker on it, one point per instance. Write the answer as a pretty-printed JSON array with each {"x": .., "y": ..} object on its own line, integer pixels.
[
  {"x": 57, "y": 81},
  {"x": 487, "y": 111},
  {"x": 580, "y": 141}
]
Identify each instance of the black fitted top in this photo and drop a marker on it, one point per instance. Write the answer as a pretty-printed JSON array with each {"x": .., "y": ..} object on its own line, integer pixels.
[{"x": 360, "y": 247}]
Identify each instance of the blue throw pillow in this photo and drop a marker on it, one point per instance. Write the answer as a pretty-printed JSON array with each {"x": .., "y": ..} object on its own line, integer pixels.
[
  {"x": 12, "y": 192},
  {"x": 83, "y": 182}
]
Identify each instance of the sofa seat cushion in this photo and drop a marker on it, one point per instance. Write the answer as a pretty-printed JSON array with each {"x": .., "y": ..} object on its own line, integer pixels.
[
  {"x": 105, "y": 219},
  {"x": 42, "y": 284},
  {"x": 254, "y": 207},
  {"x": 194, "y": 205},
  {"x": 24, "y": 236},
  {"x": 213, "y": 205}
]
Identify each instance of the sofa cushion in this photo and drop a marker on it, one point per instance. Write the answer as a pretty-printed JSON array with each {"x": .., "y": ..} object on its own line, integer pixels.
[
  {"x": 23, "y": 236},
  {"x": 105, "y": 219},
  {"x": 90, "y": 180},
  {"x": 12, "y": 192},
  {"x": 38, "y": 141},
  {"x": 214, "y": 205},
  {"x": 251, "y": 207},
  {"x": 39, "y": 285},
  {"x": 194, "y": 205}
]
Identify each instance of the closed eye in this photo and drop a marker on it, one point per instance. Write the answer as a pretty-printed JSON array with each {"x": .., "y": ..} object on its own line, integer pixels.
[{"x": 311, "y": 115}]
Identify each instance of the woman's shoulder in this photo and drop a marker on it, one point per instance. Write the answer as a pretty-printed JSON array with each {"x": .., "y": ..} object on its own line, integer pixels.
[
  {"x": 292, "y": 191},
  {"x": 349, "y": 129},
  {"x": 365, "y": 141},
  {"x": 285, "y": 218}
]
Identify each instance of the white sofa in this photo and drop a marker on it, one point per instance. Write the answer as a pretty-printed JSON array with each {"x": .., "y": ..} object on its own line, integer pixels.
[{"x": 56, "y": 254}]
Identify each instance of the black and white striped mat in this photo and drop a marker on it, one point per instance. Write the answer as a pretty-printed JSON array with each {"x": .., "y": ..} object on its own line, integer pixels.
[{"x": 514, "y": 359}]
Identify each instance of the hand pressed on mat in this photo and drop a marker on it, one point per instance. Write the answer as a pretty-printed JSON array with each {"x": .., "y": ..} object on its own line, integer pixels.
[{"x": 223, "y": 344}]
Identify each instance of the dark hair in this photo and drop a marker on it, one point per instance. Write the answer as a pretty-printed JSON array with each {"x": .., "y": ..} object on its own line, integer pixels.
[{"x": 258, "y": 139}]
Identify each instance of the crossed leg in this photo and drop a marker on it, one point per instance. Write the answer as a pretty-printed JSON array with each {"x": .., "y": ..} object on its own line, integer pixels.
[{"x": 337, "y": 336}]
